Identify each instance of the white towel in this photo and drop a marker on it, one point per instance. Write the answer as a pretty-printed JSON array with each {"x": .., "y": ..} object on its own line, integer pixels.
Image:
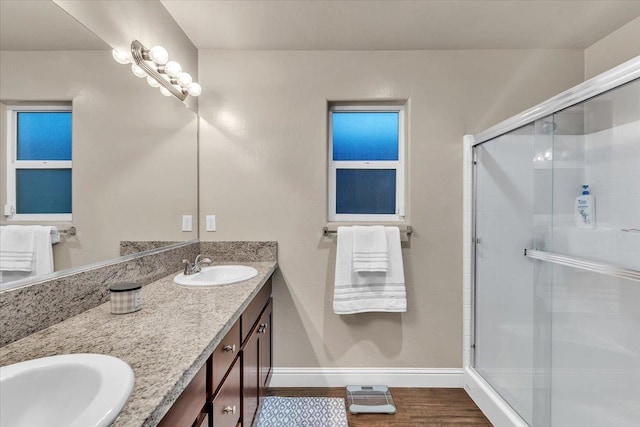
[
  {"x": 41, "y": 250},
  {"x": 44, "y": 249},
  {"x": 17, "y": 248},
  {"x": 55, "y": 235},
  {"x": 359, "y": 292},
  {"x": 370, "y": 251}
]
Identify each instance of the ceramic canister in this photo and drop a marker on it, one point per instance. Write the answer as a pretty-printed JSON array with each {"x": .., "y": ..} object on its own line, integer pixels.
[{"x": 125, "y": 298}]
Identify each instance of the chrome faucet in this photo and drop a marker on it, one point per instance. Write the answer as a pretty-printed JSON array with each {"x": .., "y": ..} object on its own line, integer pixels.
[{"x": 196, "y": 267}]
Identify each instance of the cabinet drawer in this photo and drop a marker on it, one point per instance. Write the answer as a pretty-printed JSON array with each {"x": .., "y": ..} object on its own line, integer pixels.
[
  {"x": 190, "y": 403},
  {"x": 226, "y": 405},
  {"x": 252, "y": 313},
  {"x": 223, "y": 356}
]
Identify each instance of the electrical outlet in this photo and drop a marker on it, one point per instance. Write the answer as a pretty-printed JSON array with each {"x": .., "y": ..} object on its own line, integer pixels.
[
  {"x": 211, "y": 223},
  {"x": 187, "y": 222}
]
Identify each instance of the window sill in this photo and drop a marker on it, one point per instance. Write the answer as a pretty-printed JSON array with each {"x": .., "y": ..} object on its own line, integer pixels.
[{"x": 40, "y": 218}]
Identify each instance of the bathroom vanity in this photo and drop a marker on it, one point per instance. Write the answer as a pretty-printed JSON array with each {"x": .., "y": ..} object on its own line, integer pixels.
[
  {"x": 199, "y": 355},
  {"x": 229, "y": 388}
]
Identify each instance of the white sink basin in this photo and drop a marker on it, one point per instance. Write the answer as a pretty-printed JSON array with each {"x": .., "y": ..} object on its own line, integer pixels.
[
  {"x": 71, "y": 390},
  {"x": 217, "y": 275}
]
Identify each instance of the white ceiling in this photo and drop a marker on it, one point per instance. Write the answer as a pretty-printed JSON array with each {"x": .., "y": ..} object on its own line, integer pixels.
[
  {"x": 42, "y": 25},
  {"x": 399, "y": 24}
]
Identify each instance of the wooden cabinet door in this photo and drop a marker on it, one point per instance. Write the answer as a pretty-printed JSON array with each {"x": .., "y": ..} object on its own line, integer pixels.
[
  {"x": 250, "y": 378},
  {"x": 265, "y": 330}
]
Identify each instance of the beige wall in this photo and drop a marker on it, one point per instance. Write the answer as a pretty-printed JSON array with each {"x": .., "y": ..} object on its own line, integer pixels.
[
  {"x": 263, "y": 144},
  {"x": 614, "y": 49},
  {"x": 134, "y": 151}
]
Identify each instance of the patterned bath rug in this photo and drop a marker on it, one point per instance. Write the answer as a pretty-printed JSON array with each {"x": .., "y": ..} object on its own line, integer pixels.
[{"x": 303, "y": 412}]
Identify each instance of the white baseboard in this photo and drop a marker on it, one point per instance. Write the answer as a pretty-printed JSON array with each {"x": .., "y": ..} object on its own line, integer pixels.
[{"x": 393, "y": 377}]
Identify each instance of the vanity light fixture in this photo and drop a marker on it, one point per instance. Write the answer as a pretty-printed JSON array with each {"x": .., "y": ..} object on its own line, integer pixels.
[
  {"x": 137, "y": 71},
  {"x": 120, "y": 56},
  {"x": 154, "y": 64},
  {"x": 153, "y": 82}
]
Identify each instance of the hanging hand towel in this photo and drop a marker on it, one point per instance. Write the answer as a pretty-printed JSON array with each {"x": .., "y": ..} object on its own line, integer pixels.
[
  {"x": 17, "y": 248},
  {"x": 359, "y": 292},
  {"x": 370, "y": 251},
  {"x": 43, "y": 243}
]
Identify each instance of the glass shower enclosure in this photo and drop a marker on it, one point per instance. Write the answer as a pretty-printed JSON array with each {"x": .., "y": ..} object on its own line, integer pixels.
[{"x": 555, "y": 283}]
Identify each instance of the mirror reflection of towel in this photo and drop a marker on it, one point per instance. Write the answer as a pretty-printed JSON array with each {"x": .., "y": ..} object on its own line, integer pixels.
[
  {"x": 17, "y": 248},
  {"x": 20, "y": 239}
]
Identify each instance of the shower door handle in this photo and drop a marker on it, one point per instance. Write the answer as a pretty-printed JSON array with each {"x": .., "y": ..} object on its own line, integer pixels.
[{"x": 584, "y": 264}]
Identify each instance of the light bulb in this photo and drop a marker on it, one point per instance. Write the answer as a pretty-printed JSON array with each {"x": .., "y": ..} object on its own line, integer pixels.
[
  {"x": 173, "y": 69},
  {"x": 120, "y": 56},
  {"x": 165, "y": 91},
  {"x": 159, "y": 55},
  {"x": 152, "y": 82},
  {"x": 194, "y": 89},
  {"x": 184, "y": 79},
  {"x": 138, "y": 71}
]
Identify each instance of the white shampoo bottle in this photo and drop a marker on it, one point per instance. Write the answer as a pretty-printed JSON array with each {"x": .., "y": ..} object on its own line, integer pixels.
[{"x": 585, "y": 212}]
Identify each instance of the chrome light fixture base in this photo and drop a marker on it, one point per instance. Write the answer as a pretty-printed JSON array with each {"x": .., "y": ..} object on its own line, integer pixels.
[{"x": 140, "y": 55}]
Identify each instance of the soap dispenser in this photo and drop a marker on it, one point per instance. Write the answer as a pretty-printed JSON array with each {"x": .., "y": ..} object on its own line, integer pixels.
[{"x": 585, "y": 209}]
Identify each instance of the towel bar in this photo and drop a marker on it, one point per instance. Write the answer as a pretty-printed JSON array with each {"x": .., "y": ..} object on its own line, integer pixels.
[
  {"x": 71, "y": 231},
  {"x": 326, "y": 232}
]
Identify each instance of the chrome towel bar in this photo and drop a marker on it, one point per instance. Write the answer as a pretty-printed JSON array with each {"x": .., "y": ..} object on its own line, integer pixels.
[
  {"x": 408, "y": 230},
  {"x": 584, "y": 264},
  {"x": 71, "y": 231}
]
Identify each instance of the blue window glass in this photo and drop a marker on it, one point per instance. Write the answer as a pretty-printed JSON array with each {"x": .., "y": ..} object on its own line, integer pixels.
[
  {"x": 365, "y": 135},
  {"x": 366, "y": 191},
  {"x": 43, "y": 191},
  {"x": 44, "y": 135}
]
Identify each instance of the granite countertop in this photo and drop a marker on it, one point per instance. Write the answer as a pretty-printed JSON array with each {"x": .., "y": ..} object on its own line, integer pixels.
[{"x": 166, "y": 343}]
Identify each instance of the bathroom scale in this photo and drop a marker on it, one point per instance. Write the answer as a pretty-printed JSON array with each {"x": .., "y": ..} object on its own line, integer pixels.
[{"x": 372, "y": 399}]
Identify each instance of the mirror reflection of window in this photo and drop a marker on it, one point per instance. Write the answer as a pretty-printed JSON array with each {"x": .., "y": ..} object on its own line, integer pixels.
[{"x": 39, "y": 162}]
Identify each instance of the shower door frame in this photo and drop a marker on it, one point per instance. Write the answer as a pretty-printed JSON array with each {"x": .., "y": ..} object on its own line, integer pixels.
[{"x": 485, "y": 396}]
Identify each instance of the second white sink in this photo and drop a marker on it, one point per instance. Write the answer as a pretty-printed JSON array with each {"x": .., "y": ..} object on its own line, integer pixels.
[
  {"x": 71, "y": 390},
  {"x": 217, "y": 275}
]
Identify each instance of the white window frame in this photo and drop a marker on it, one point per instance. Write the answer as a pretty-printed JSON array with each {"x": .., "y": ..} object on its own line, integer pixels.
[
  {"x": 398, "y": 165},
  {"x": 13, "y": 164}
]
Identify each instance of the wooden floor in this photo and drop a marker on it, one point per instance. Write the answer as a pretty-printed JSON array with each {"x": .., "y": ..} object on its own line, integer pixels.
[{"x": 424, "y": 407}]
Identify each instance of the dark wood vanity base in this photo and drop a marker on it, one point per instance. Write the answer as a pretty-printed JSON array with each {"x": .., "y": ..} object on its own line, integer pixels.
[{"x": 228, "y": 390}]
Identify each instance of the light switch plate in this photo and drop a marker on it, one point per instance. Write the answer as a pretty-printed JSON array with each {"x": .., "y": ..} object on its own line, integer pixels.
[
  {"x": 211, "y": 223},
  {"x": 187, "y": 222}
]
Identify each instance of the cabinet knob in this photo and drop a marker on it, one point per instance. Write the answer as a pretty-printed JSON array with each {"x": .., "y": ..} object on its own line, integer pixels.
[
  {"x": 229, "y": 410},
  {"x": 262, "y": 329},
  {"x": 229, "y": 348}
]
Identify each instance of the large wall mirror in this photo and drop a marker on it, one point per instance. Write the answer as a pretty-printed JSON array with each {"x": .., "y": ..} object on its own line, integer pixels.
[{"x": 130, "y": 165}]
